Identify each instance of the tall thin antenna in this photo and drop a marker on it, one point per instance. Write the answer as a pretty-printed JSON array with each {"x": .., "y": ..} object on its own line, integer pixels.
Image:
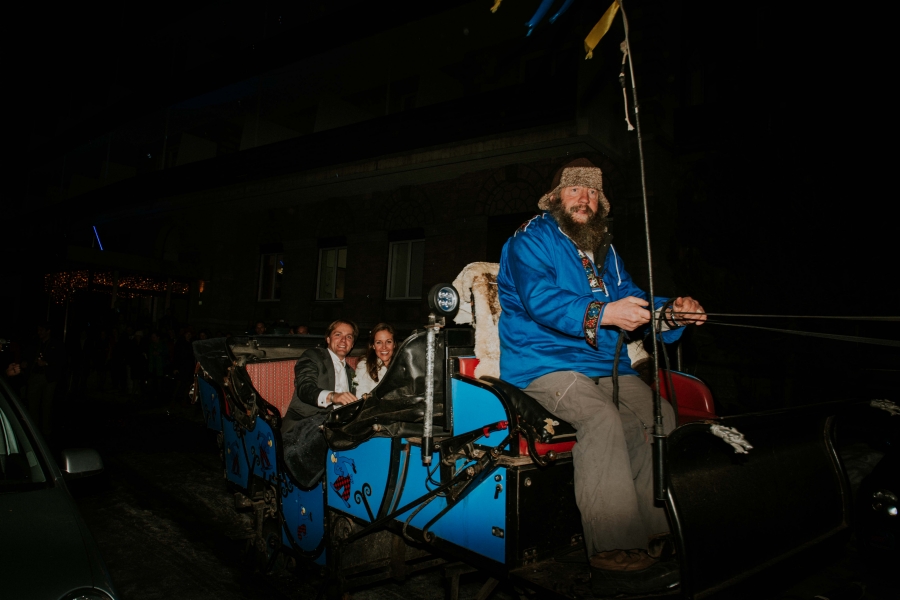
[{"x": 659, "y": 437}]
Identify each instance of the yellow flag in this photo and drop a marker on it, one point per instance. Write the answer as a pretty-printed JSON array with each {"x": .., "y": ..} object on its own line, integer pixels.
[{"x": 600, "y": 29}]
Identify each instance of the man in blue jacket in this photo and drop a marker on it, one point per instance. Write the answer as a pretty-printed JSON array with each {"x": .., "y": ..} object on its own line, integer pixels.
[{"x": 566, "y": 297}]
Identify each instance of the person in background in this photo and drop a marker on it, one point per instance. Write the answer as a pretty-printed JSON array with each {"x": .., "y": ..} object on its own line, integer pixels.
[
  {"x": 136, "y": 360},
  {"x": 183, "y": 363},
  {"x": 259, "y": 328},
  {"x": 372, "y": 368},
  {"x": 157, "y": 363},
  {"x": 301, "y": 330},
  {"x": 45, "y": 365}
]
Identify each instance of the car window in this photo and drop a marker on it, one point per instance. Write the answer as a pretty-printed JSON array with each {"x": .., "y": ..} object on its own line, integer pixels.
[{"x": 20, "y": 467}]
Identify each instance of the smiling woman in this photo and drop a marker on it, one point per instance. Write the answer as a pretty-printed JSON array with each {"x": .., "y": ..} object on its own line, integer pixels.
[{"x": 370, "y": 370}]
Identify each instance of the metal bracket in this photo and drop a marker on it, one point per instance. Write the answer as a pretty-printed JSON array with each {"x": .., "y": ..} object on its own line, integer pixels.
[{"x": 732, "y": 437}]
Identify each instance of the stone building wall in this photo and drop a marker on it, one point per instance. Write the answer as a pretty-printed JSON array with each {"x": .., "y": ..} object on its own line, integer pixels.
[{"x": 463, "y": 219}]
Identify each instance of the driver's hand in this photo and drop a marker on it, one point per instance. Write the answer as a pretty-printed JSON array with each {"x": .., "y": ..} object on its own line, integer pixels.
[
  {"x": 343, "y": 398},
  {"x": 688, "y": 305},
  {"x": 628, "y": 313}
]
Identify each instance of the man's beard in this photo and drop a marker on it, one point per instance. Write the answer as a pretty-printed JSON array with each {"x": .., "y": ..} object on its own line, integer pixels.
[{"x": 589, "y": 235}]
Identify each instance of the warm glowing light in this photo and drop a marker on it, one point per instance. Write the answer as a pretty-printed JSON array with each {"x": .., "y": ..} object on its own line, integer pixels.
[{"x": 63, "y": 285}]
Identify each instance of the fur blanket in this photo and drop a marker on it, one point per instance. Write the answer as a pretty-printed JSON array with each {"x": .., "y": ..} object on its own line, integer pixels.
[{"x": 479, "y": 305}]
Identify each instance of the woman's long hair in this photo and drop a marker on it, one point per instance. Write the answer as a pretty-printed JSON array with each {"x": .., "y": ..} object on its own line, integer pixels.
[{"x": 371, "y": 357}]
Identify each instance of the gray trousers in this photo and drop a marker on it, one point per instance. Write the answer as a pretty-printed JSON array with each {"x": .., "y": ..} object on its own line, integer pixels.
[{"x": 612, "y": 457}]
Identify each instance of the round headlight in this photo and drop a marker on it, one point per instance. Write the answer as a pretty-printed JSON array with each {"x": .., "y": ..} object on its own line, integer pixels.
[{"x": 444, "y": 299}]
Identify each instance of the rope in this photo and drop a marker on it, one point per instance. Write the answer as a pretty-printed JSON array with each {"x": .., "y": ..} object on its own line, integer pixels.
[
  {"x": 827, "y": 336},
  {"x": 844, "y": 318},
  {"x": 615, "y": 372}
]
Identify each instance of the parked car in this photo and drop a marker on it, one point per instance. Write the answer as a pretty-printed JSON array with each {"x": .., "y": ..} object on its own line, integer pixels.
[{"x": 46, "y": 550}]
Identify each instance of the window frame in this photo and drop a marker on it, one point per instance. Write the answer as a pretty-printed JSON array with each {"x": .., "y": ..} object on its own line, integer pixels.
[
  {"x": 409, "y": 256},
  {"x": 335, "y": 278},
  {"x": 263, "y": 267}
]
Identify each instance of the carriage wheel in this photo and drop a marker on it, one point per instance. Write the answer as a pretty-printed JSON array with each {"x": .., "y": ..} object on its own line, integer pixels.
[{"x": 268, "y": 556}]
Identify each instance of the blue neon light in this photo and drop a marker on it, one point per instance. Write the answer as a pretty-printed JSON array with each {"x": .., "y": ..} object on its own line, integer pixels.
[{"x": 97, "y": 235}]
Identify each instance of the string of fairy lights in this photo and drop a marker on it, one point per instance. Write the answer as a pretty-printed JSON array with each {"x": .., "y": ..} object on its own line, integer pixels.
[{"x": 63, "y": 285}]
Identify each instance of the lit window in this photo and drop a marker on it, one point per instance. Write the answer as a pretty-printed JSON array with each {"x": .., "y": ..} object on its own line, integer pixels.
[
  {"x": 271, "y": 271},
  {"x": 405, "y": 270},
  {"x": 332, "y": 268}
]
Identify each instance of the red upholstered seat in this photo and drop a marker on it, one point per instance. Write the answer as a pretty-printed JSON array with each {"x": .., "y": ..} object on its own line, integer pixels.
[
  {"x": 695, "y": 401},
  {"x": 274, "y": 381}
]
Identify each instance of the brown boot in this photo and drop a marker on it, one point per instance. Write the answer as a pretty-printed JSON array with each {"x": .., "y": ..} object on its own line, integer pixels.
[
  {"x": 661, "y": 546},
  {"x": 630, "y": 572},
  {"x": 622, "y": 560}
]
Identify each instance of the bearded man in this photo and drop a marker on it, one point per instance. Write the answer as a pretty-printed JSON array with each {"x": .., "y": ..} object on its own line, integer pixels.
[{"x": 566, "y": 296}]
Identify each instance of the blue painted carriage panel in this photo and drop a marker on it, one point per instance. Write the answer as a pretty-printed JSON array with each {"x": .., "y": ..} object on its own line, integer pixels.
[
  {"x": 209, "y": 402},
  {"x": 475, "y": 407},
  {"x": 261, "y": 450},
  {"x": 475, "y": 523},
  {"x": 358, "y": 477},
  {"x": 304, "y": 517},
  {"x": 237, "y": 463}
]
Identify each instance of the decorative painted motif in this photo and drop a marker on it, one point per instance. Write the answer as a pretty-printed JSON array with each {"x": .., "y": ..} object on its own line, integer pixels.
[
  {"x": 212, "y": 414},
  {"x": 233, "y": 457},
  {"x": 342, "y": 467},
  {"x": 266, "y": 444},
  {"x": 591, "y": 320}
]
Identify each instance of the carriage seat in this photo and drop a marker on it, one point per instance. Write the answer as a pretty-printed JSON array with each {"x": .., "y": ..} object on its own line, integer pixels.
[
  {"x": 480, "y": 306},
  {"x": 548, "y": 431},
  {"x": 274, "y": 380},
  {"x": 694, "y": 399}
]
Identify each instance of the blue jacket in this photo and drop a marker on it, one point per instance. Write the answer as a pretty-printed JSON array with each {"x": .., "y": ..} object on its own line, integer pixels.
[{"x": 552, "y": 307}]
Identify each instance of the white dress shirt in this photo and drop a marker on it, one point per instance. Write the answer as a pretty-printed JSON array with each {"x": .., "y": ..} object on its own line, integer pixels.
[{"x": 340, "y": 380}]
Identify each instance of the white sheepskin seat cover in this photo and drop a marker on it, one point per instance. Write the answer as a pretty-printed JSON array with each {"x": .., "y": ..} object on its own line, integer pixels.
[{"x": 479, "y": 305}]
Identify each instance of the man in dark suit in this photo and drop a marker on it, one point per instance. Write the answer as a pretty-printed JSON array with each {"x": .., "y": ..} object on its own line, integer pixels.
[
  {"x": 322, "y": 380},
  {"x": 316, "y": 386}
]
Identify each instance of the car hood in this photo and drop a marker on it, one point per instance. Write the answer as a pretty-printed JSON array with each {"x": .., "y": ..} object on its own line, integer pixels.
[{"x": 43, "y": 545}]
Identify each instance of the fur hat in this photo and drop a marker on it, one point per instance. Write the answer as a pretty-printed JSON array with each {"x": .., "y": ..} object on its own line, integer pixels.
[{"x": 580, "y": 171}]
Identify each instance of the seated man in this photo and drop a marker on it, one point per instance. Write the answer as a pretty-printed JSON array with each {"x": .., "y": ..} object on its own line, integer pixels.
[
  {"x": 565, "y": 299},
  {"x": 322, "y": 379}
]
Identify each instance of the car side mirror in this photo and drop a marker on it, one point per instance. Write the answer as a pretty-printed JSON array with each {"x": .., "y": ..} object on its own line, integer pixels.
[{"x": 80, "y": 462}]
